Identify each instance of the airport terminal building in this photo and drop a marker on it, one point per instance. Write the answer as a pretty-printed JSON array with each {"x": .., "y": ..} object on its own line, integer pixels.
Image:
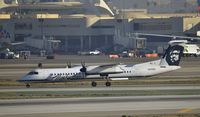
[{"x": 78, "y": 25}]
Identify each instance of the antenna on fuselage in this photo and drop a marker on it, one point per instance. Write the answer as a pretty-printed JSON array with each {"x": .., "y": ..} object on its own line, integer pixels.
[
  {"x": 69, "y": 64},
  {"x": 39, "y": 65}
]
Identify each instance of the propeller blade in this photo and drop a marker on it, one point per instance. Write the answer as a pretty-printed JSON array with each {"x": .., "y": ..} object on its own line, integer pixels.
[
  {"x": 83, "y": 69},
  {"x": 83, "y": 63},
  {"x": 69, "y": 64}
]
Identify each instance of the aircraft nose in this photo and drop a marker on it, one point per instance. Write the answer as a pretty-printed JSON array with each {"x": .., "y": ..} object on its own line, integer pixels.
[{"x": 24, "y": 78}]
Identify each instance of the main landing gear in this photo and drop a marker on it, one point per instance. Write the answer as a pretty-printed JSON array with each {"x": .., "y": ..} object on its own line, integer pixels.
[{"x": 107, "y": 84}]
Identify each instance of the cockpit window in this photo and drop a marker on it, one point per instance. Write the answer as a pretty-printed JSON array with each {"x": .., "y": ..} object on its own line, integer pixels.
[{"x": 33, "y": 73}]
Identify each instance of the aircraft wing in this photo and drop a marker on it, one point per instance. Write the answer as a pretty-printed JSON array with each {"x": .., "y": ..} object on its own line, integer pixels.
[
  {"x": 5, "y": 45},
  {"x": 17, "y": 43},
  {"x": 107, "y": 65},
  {"x": 104, "y": 70},
  {"x": 170, "y": 36}
]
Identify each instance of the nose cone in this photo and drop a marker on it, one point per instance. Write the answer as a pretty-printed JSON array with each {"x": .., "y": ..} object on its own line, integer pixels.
[{"x": 25, "y": 78}]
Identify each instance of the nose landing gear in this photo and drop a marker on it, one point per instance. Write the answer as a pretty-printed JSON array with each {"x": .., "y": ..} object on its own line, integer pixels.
[
  {"x": 94, "y": 84},
  {"x": 108, "y": 84},
  {"x": 28, "y": 85}
]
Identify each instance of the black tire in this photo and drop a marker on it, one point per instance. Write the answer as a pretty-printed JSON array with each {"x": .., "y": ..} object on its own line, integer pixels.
[
  {"x": 28, "y": 86},
  {"x": 108, "y": 84},
  {"x": 94, "y": 84}
]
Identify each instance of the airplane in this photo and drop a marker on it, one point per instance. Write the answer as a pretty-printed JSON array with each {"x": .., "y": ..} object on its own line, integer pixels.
[
  {"x": 169, "y": 62},
  {"x": 36, "y": 5},
  {"x": 190, "y": 48},
  {"x": 7, "y": 45},
  {"x": 5, "y": 52},
  {"x": 27, "y": 5}
]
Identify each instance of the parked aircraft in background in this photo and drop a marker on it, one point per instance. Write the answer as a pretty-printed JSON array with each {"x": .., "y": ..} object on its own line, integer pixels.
[
  {"x": 169, "y": 62},
  {"x": 5, "y": 52},
  {"x": 6, "y": 45},
  {"x": 34, "y": 4},
  {"x": 190, "y": 49},
  {"x": 186, "y": 38}
]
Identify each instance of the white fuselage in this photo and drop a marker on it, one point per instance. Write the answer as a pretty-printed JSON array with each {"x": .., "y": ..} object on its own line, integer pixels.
[{"x": 118, "y": 71}]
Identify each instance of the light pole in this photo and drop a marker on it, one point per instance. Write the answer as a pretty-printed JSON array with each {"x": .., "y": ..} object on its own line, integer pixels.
[{"x": 41, "y": 20}]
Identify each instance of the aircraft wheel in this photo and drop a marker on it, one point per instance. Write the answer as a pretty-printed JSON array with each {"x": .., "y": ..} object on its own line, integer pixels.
[
  {"x": 28, "y": 86},
  {"x": 108, "y": 84},
  {"x": 94, "y": 84}
]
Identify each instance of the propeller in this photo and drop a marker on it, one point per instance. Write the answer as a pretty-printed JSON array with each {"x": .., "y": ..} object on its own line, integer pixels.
[
  {"x": 83, "y": 69},
  {"x": 69, "y": 64}
]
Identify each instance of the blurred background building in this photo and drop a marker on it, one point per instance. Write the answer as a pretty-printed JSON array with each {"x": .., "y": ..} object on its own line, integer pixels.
[{"x": 69, "y": 26}]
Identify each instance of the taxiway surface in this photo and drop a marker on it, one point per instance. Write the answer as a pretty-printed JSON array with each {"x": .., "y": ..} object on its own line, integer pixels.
[{"x": 101, "y": 106}]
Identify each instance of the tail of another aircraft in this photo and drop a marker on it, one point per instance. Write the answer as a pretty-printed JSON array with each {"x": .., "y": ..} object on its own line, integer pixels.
[
  {"x": 2, "y": 4},
  {"x": 172, "y": 56},
  {"x": 16, "y": 1}
]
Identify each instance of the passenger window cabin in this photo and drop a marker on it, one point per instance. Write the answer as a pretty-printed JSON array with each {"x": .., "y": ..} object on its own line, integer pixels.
[{"x": 33, "y": 73}]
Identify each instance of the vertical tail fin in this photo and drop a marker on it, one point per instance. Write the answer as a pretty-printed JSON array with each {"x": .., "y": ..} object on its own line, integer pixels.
[
  {"x": 6, "y": 4},
  {"x": 16, "y": 2},
  {"x": 172, "y": 56},
  {"x": 2, "y": 4}
]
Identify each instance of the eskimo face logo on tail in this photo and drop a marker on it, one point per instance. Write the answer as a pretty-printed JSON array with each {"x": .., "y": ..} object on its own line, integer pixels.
[{"x": 173, "y": 54}]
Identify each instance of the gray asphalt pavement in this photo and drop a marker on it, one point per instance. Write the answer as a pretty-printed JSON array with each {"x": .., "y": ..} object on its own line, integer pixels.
[
  {"x": 102, "y": 106},
  {"x": 98, "y": 106}
]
